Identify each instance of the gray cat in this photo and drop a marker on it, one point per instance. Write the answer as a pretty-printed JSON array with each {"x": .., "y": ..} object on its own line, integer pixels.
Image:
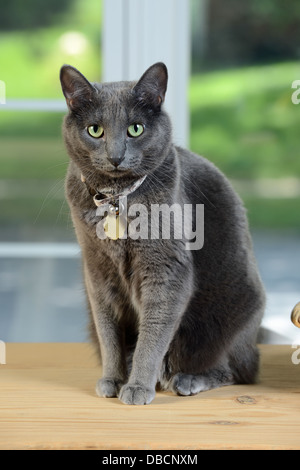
[{"x": 166, "y": 316}]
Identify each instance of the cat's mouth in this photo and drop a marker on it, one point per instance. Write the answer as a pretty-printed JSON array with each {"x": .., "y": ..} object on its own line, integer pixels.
[
  {"x": 111, "y": 170},
  {"x": 117, "y": 171}
]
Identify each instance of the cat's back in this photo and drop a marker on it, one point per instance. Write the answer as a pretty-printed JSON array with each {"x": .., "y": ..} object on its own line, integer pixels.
[
  {"x": 204, "y": 182},
  {"x": 227, "y": 247}
]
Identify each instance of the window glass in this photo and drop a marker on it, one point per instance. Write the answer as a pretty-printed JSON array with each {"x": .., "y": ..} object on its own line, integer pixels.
[
  {"x": 41, "y": 292},
  {"x": 245, "y": 117}
]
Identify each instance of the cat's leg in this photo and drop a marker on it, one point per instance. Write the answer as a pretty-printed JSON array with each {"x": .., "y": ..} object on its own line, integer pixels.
[
  {"x": 113, "y": 356},
  {"x": 244, "y": 359},
  {"x": 188, "y": 384},
  {"x": 155, "y": 334},
  {"x": 163, "y": 307},
  {"x": 206, "y": 365},
  {"x": 112, "y": 353},
  {"x": 111, "y": 340},
  {"x": 239, "y": 366}
]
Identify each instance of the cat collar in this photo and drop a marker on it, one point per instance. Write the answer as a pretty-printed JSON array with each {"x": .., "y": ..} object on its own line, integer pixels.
[{"x": 102, "y": 198}]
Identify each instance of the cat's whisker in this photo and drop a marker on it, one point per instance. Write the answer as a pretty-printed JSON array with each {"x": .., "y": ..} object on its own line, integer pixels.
[
  {"x": 60, "y": 212},
  {"x": 191, "y": 183},
  {"x": 49, "y": 196},
  {"x": 57, "y": 164}
]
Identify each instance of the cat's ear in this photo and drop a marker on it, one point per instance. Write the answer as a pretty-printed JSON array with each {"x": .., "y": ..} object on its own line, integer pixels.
[
  {"x": 152, "y": 86},
  {"x": 76, "y": 88}
]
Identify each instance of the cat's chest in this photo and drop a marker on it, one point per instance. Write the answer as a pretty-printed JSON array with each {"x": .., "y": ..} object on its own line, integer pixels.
[
  {"x": 117, "y": 260},
  {"x": 121, "y": 266}
]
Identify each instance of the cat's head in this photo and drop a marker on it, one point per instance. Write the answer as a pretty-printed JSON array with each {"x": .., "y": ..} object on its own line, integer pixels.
[{"x": 119, "y": 129}]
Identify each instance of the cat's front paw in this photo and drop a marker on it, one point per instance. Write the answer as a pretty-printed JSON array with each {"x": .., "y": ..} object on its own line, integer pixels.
[
  {"x": 108, "y": 387},
  {"x": 135, "y": 394}
]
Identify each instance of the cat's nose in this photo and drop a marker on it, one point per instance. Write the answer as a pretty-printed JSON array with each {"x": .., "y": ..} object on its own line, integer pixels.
[
  {"x": 115, "y": 148},
  {"x": 115, "y": 159}
]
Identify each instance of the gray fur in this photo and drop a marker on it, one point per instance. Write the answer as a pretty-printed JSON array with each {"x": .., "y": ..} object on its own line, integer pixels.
[{"x": 164, "y": 316}]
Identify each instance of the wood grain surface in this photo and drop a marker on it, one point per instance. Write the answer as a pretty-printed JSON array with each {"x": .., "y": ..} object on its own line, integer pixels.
[{"x": 47, "y": 401}]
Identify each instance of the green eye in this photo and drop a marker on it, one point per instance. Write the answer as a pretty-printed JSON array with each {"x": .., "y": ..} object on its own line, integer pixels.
[
  {"x": 95, "y": 131},
  {"x": 135, "y": 130}
]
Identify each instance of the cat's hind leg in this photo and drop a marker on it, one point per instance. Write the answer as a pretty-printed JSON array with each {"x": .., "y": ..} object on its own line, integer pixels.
[
  {"x": 188, "y": 384},
  {"x": 240, "y": 366}
]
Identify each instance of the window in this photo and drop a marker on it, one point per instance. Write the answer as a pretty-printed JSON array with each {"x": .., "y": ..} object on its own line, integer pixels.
[
  {"x": 40, "y": 275},
  {"x": 244, "y": 59}
]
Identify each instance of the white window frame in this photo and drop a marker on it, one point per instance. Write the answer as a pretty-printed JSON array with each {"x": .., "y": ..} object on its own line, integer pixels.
[{"x": 136, "y": 34}]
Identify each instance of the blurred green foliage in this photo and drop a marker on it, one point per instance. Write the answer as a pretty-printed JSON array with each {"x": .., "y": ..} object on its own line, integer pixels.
[
  {"x": 20, "y": 15},
  {"x": 30, "y": 59},
  {"x": 242, "y": 119},
  {"x": 234, "y": 32},
  {"x": 245, "y": 122}
]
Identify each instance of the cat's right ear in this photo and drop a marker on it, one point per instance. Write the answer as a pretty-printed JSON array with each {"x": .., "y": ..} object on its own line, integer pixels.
[
  {"x": 151, "y": 88},
  {"x": 76, "y": 88}
]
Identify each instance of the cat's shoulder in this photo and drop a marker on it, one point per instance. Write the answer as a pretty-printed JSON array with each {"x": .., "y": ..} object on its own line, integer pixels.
[
  {"x": 197, "y": 165},
  {"x": 200, "y": 176}
]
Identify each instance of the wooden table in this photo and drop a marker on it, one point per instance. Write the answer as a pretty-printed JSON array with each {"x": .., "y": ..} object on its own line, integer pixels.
[{"x": 47, "y": 401}]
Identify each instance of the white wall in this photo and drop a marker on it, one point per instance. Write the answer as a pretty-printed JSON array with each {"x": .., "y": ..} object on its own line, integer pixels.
[{"x": 138, "y": 33}]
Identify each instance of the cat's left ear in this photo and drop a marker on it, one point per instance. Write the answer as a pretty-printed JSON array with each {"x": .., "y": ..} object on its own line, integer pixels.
[
  {"x": 152, "y": 86},
  {"x": 76, "y": 88}
]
